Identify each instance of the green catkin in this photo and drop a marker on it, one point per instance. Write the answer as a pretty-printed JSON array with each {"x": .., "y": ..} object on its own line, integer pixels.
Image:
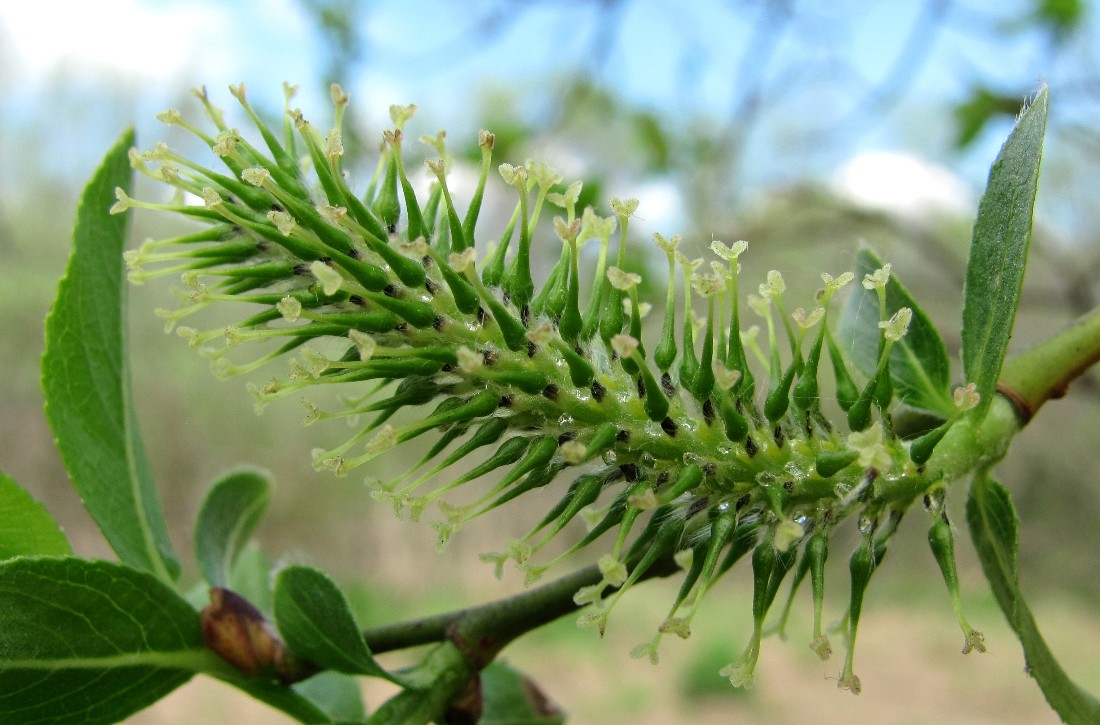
[
  {"x": 286, "y": 161},
  {"x": 784, "y": 562},
  {"x": 703, "y": 383},
  {"x": 689, "y": 364},
  {"x": 412, "y": 205},
  {"x": 469, "y": 224},
  {"x": 486, "y": 434},
  {"x": 744, "y": 540},
  {"x": 779, "y": 397},
  {"x": 829, "y": 463},
  {"x": 796, "y": 583},
  {"x": 494, "y": 269},
  {"x": 664, "y": 541},
  {"x": 860, "y": 566},
  {"x": 522, "y": 380},
  {"x": 478, "y": 406},
  {"x": 512, "y": 330},
  {"x": 690, "y": 477},
  {"x": 805, "y": 391},
  {"x": 740, "y": 673},
  {"x": 431, "y": 211},
  {"x": 456, "y": 237},
  {"x": 386, "y": 205},
  {"x": 581, "y": 372},
  {"x": 846, "y": 391},
  {"x": 619, "y": 513},
  {"x": 603, "y": 437},
  {"x": 582, "y": 492},
  {"x": 736, "y": 427},
  {"x": 465, "y": 296},
  {"x": 665, "y": 353},
  {"x": 536, "y": 478},
  {"x": 942, "y": 542},
  {"x": 655, "y": 403},
  {"x": 569, "y": 323},
  {"x": 600, "y": 288},
  {"x": 550, "y": 300},
  {"x": 921, "y": 448},
  {"x": 817, "y": 552},
  {"x": 517, "y": 278}
]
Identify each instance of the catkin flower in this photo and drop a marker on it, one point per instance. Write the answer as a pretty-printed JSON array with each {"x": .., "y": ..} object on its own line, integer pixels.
[{"x": 714, "y": 443}]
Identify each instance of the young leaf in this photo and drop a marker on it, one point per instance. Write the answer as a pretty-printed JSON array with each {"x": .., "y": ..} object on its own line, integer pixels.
[
  {"x": 251, "y": 577},
  {"x": 26, "y": 527},
  {"x": 227, "y": 518},
  {"x": 86, "y": 380},
  {"x": 994, "y": 529},
  {"x": 442, "y": 675},
  {"x": 317, "y": 624},
  {"x": 90, "y": 641},
  {"x": 919, "y": 366},
  {"x": 299, "y": 705},
  {"x": 335, "y": 693},
  {"x": 998, "y": 252},
  {"x": 512, "y": 698}
]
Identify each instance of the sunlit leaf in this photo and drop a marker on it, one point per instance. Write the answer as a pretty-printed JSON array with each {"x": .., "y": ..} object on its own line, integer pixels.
[
  {"x": 998, "y": 252},
  {"x": 86, "y": 380},
  {"x": 226, "y": 520},
  {"x": 317, "y": 624},
  {"x": 90, "y": 641},
  {"x": 26, "y": 527}
]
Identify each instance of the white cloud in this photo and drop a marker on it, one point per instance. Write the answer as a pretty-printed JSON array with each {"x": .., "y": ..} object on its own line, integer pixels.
[
  {"x": 902, "y": 184},
  {"x": 121, "y": 37}
]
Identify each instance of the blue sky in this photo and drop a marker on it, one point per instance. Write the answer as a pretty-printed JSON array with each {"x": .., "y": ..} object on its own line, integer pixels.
[{"x": 689, "y": 61}]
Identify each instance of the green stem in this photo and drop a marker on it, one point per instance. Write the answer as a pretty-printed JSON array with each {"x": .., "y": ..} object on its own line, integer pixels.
[
  {"x": 1034, "y": 376},
  {"x": 483, "y": 631}
]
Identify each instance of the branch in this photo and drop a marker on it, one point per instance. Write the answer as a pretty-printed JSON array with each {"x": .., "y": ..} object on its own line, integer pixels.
[
  {"x": 1046, "y": 370},
  {"x": 481, "y": 632}
]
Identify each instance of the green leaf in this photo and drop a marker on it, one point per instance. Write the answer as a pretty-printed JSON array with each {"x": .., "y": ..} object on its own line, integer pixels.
[
  {"x": 317, "y": 624},
  {"x": 998, "y": 252},
  {"x": 442, "y": 675},
  {"x": 227, "y": 518},
  {"x": 289, "y": 700},
  {"x": 994, "y": 529},
  {"x": 335, "y": 693},
  {"x": 86, "y": 380},
  {"x": 251, "y": 578},
  {"x": 90, "y": 641},
  {"x": 919, "y": 366},
  {"x": 26, "y": 527},
  {"x": 511, "y": 698},
  {"x": 981, "y": 106}
]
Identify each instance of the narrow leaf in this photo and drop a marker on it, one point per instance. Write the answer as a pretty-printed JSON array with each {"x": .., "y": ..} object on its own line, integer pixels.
[
  {"x": 998, "y": 252},
  {"x": 26, "y": 527},
  {"x": 317, "y": 624},
  {"x": 226, "y": 520},
  {"x": 994, "y": 529},
  {"x": 919, "y": 366},
  {"x": 90, "y": 641},
  {"x": 86, "y": 380}
]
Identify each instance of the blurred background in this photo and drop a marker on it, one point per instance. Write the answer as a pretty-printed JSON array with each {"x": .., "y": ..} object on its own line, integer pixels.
[{"x": 803, "y": 127}]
